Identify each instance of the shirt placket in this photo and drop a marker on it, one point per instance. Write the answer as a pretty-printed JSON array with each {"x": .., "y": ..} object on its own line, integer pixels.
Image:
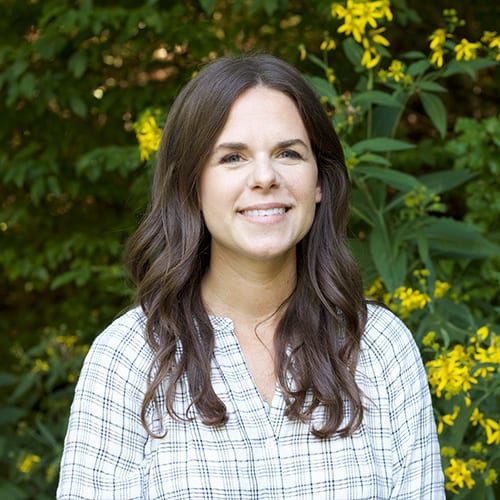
[{"x": 259, "y": 424}]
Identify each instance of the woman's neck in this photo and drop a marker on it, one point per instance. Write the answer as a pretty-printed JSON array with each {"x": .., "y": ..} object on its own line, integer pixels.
[{"x": 250, "y": 292}]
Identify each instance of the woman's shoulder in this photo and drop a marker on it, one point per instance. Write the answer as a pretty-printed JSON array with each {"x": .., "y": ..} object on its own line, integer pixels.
[
  {"x": 123, "y": 343},
  {"x": 386, "y": 339}
]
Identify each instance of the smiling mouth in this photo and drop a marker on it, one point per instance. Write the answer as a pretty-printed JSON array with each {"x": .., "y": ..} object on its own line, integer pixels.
[{"x": 268, "y": 212}]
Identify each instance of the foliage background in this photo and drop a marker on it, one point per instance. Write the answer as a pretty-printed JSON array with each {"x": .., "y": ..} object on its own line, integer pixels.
[{"x": 74, "y": 78}]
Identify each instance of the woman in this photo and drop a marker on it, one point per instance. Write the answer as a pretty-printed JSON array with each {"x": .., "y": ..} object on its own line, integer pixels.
[{"x": 253, "y": 367}]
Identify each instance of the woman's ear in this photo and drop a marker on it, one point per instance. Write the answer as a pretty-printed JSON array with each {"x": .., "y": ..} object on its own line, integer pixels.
[{"x": 318, "y": 193}]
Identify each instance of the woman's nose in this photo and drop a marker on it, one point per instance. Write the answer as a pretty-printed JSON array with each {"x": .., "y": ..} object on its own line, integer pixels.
[{"x": 263, "y": 174}]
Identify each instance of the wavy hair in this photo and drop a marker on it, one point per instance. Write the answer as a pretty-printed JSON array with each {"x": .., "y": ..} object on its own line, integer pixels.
[{"x": 317, "y": 340}]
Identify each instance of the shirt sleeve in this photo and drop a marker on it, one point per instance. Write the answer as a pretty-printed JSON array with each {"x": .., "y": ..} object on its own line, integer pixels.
[
  {"x": 417, "y": 470},
  {"x": 104, "y": 446}
]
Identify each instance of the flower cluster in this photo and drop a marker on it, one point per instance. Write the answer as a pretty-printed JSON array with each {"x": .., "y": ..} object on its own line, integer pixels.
[
  {"x": 464, "y": 50},
  {"x": 406, "y": 300},
  {"x": 27, "y": 463},
  {"x": 458, "y": 475},
  {"x": 453, "y": 373},
  {"x": 438, "y": 39},
  {"x": 396, "y": 73},
  {"x": 420, "y": 201},
  {"x": 491, "y": 40},
  {"x": 148, "y": 134},
  {"x": 450, "y": 373},
  {"x": 361, "y": 20}
]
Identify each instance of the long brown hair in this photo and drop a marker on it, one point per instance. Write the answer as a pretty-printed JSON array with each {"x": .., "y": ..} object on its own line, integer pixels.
[{"x": 318, "y": 337}]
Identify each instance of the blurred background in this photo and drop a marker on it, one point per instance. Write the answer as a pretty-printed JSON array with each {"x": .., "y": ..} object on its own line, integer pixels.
[{"x": 84, "y": 90}]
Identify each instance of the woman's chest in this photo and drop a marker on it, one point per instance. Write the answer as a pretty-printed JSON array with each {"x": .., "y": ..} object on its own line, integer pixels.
[{"x": 195, "y": 461}]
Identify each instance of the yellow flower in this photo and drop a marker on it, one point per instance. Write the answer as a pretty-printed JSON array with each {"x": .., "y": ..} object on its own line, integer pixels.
[
  {"x": 330, "y": 75},
  {"x": 492, "y": 429},
  {"x": 429, "y": 338},
  {"x": 27, "y": 463},
  {"x": 448, "y": 451},
  {"x": 40, "y": 366},
  {"x": 441, "y": 287},
  {"x": 450, "y": 372},
  {"x": 66, "y": 340},
  {"x": 395, "y": 70},
  {"x": 382, "y": 74},
  {"x": 375, "y": 289},
  {"x": 148, "y": 134},
  {"x": 376, "y": 37},
  {"x": 466, "y": 50},
  {"x": 328, "y": 44},
  {"x": 421, "y": 272},
  {"x": 478, "y": 447},
  {"x": 458, "y": 475},
  {"x": 410, "y": 300},
  {"x": 358, "y": 14},
  {"x": 371, "y": 57},
  {"x": 489, "y": 37},
  {"x": 483, "y": 332},
  {"x": 437, "y": 58},
  {"x": 438, "y": 38},
  {"x": 302, "y": 51},
  {"x": 477, "y": 464},
  {"x": 477, "y": 417},
  {"x": 451, "y": 417},
  {"x": 490, "y": 355},
  {"x": 491, "y": 477}
]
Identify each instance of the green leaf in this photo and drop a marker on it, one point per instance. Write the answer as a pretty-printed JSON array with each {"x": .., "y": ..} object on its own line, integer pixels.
[
  {"x": 440, "y": 182},
  {"x": 468, "y": 67},
  {"x": 11, "y": 414},
  {"x": 27, "y": 85},
  {"x": 78, "y": 106},
  {"x": 413, "y": 54},
  {"x": 385, "y": 120},
  {"x": 431, "y": 86},
  {"x": 389, "y": 261},
  {"x": 26, "y": 383},
  {"x": 77, "y": 64},
  {"x": 8, "y": 379},
  {"x": 418, "y": 68},
  {"x": 399, "y": 180},
  {"x": 435, "y": 109},
  {"x": 352, "y": 51},
  {"x": 208, "y": 5},
  {"x": 361, "y": 253},
  {"x": 457, "y": 239},
  {"x": 270, "y": 6},
  {"x": 376, "y": 97},
  {"x": 381, "y": 145},
  {"x": 11, "y": 491},
  {"x": 322, "y": 87},
  {"x": 460, "y": 426},
  {"x": 373, "y": 158}
]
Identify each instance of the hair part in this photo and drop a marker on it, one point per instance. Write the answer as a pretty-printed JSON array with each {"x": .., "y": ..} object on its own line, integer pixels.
[{"x": 317, "y": 340}]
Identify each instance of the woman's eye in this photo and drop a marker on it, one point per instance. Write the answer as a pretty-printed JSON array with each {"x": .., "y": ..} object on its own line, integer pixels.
[
  {"x": 290, "y": 154},
  {"x": 231, "y": 158}
]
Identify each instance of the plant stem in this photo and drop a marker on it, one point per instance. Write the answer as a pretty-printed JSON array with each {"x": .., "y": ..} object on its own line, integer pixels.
[{"x": 369, "y": 126}]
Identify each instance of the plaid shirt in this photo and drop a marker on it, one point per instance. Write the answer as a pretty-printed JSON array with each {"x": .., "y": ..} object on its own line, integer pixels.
[{"x": 259, "y": 453}]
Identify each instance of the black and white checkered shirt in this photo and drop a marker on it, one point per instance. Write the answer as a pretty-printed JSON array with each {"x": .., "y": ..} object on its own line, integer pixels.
[{"x": 259, "y": 453}]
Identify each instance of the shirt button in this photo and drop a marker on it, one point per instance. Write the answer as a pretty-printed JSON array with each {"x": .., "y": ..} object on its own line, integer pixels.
[{"x": 270, "y": 443}]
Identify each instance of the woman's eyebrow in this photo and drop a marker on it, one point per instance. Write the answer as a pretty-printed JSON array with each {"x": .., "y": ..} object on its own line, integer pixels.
[
  {"x": 291, "y": 142},
  {"x": 239, "y": 146}
]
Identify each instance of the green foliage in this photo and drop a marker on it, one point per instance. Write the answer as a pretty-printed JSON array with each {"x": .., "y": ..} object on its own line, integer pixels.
[{"x": 75, "y": 76}]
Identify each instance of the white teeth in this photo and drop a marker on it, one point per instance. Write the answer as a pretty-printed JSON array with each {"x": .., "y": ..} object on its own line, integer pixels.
[{"x": 264, "y": 213}]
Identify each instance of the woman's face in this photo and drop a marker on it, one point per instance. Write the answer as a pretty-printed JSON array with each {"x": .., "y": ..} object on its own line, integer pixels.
[{"x": 259, "y": 188}]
